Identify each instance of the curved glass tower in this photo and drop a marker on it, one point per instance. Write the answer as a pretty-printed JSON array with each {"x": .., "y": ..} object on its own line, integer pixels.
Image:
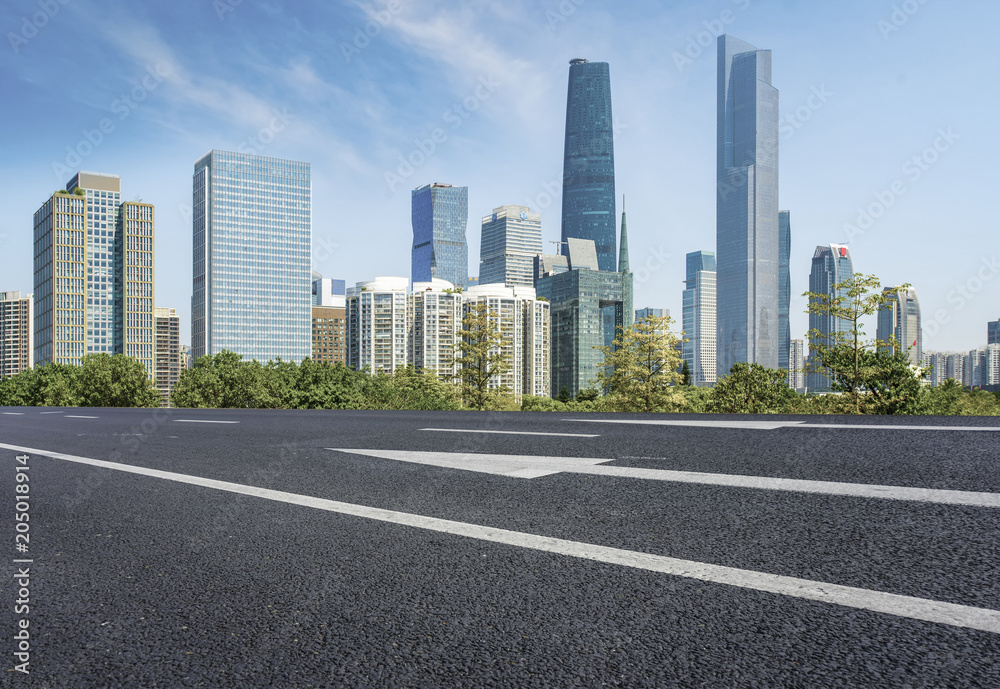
[
  {"x": 831, "y": 265},
  {"x": 588, "y": 201},
  {"x": 439, "y": 214},
  {"x": 747, "y": 207}
]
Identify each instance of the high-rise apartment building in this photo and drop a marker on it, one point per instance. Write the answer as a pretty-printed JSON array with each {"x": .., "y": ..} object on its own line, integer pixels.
[
  {"x": 698, "y": 318},
  {"x": 511, "y": 237},
  {"x": 588, "y": 194},
  {"x": 377, "y": 324},
  {"x": 900, "y": 318},
  {"x": 747, "y": 237},
  {"x": 831, "y": 265},
  {"x": 167, "y": 364},
  {"x": 439, "y": 215},
  {"x": 329, "y": 334},
  {"x": 784, "y": 288},
  {"x": 16, "y": 333},
  {"x": 434, "y": 320},
  {"x": 133, "y": 311},
  {"x": 796, "y": 366},
  {"x": 252, "y": 224}
]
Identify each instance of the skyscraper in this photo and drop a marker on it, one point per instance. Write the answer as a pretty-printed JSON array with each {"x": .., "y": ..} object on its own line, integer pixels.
[
  {"x": 167, "y": 355},
  {"x": 784, "y": 288},
  {"x": 439, "y": 215},
  {"x": 16, "y": 333},
  {"x": 747, "y": 238},
  {"x": 252, "y": 225},
  {"x": 993, "y": 332},
  {"x": 831, "y": 265},
  {"x": 511, "y": 238},
  {"x": 698, "y": 318},
  {"x": 900, "y": 318},
  {"x": 133, "y": 311},
  {"x": 588, "y": 196}
]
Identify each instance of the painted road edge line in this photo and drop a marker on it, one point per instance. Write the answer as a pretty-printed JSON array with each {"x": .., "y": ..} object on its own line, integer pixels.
[
  {"x": 982, "y": 619},
  {"x": 201, "y": 421},
  {"x": 478, "y": 430},
  {"x": 775, "y": 425}
]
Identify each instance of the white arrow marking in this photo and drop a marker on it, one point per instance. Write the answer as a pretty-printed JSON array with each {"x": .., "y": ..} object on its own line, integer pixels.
[
  {"x": 910, "y": 607},
  {"x": 524, "y": 466}
]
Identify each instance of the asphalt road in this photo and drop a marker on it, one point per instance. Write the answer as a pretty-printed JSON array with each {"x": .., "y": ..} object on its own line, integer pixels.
[{"x": 248, "y": 554}]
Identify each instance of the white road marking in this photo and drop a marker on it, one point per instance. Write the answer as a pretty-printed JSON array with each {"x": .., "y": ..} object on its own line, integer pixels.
[
  {"x": 476, "y": 430},
  {"x": 201, "y": 421},
  {"x": 52, "y": 412},
  {"x": 774, "y": 425},
  {"x": 14, "y": 413},
  {"x": 70, "y": 416},
  {"x": 525, "y": 466},
  {"x": 910, "y": 607}
]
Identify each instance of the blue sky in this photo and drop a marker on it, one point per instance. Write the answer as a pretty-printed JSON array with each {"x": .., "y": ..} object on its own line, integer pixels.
[{"x": 888, "y": 107}]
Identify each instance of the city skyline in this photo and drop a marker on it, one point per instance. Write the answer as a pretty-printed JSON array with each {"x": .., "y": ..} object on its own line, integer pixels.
[{"x": 857, "y": 131}]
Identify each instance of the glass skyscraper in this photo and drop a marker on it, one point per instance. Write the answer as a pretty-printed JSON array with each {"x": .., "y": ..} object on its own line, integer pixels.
[
  {"x": 900, "y": 318},
  {"x": 440, "y": 214},
  {"x": 993, "y": 332},
  {"x": 252, "y": 223},
  {"x": 511, "y": 238},
  {"x": 698, "y": 318},
  {"x": 784, "y": 288},
  {"x": 747, "y": 243},
  {"x": 830, "y": 265},
  {"x": 588, "y": 196}
]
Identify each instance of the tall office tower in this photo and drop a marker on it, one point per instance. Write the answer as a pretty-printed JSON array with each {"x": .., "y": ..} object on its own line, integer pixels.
[
  {"x": 747, "y": 207},
  {"x": 167, "y": 364},
  {"x": 627, "y": 310},
  {"x": 784, "y": 288},
  {"x": 328, "y": 292},
  {"x": 796, "y": 366},
  {"x": 17, "y": 351},
  {"x": 133, "y": 309},
  {"x": 511, "y": 238},
  {"x": 831, "y": 265},
  {"x": 433, "y": 322},
  {"x": 900, "y": 318},
  {"x": 698, "y": 318},
  {"x": 329, "y": 334},
  {"x": 252, "y": 225},
  {"x": 580, "y": 294},
  {"x": 61, "y": 281},
  {"x": 523, "y": 321},
  {"x": 993, "y": 332},
  {"x": 588, "y": 195},
  {"x": 649, "y": 311},
  {"x": 377, "y": 324},
  {"x": 439, "y": 214}
]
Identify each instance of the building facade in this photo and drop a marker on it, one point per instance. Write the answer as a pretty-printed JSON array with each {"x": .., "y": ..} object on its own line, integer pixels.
[
  {"x": 434, "y": 320},
  {"x": 899, "y": 318},
  {"x": 588, "y": 193},
  {"x": 650, "y": 312},
  {"x": 796, "y": 366},
  {"x": 17, "y": 349},
  {"x": 784, "y": 289},
  {"x": 328, "y": 292},
  {"x": 511, "y": 237},
  {"x": 252, "y": 224},
  {"x": 167, "y": 362},
  {"x": 747, "y": 237},
  {"x": 831, "y": 265},
  {"x": 440, "y": 215},
  {"x": 993, "y": 332},
  {"x": 377, "y": 324},
  {"x": 133, "y": 312},
  {"x": 698, "y": 318},
  {"x": 329, "y": 334}
]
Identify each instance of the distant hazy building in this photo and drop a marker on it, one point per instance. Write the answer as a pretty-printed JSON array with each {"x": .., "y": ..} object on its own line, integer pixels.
[
  {"x": 698, "y": 318},
  {"x": 784, "y": 288},
  {"x": 747, "y": 237},
  {"x": 16, "y": 333},
  {"x": 992, "y": 373},
  {"x": 900, "y": 318},
  {"x": 831, "y": 265},
  {"x": 167, "y": 364},
  {"x": 439, "y": 215},
  {"x": 974, "y": 369},
  {"x": 796, "y": 366},
  {"x": 649, "y": 311},
  {"x": 588, "y": 194},
  {"x": 955, "y": 367},
  {"x": 328, "y": 292},
  {"x": 434, "y": 319},
  {"x": 252, "y": 225},
  {"x": 993, "y": 332},
  {"x": 377, "y": 324},
  {"x": 329, "y": 334},
  {"x": 511, "y": 238},
  {"x": 937, "y": 363}
]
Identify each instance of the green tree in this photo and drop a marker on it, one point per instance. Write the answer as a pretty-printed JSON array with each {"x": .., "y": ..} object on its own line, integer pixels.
[
  {"x": 105, "y": 380},
  {"x": 482, "y": 360},
  {"x": 321, "y": 385},
  {"x": 588, "y": 395},
  {"x": 51, "y": 385},
  {"x": 685, "y": 373},
  {"x": 639, "y": 372},
  {"x": 563, "y": 395},
  {"x": 225, "y": 381},
  {"x": 750, "y": 389},
  {"x": 866, "y": 370}
]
